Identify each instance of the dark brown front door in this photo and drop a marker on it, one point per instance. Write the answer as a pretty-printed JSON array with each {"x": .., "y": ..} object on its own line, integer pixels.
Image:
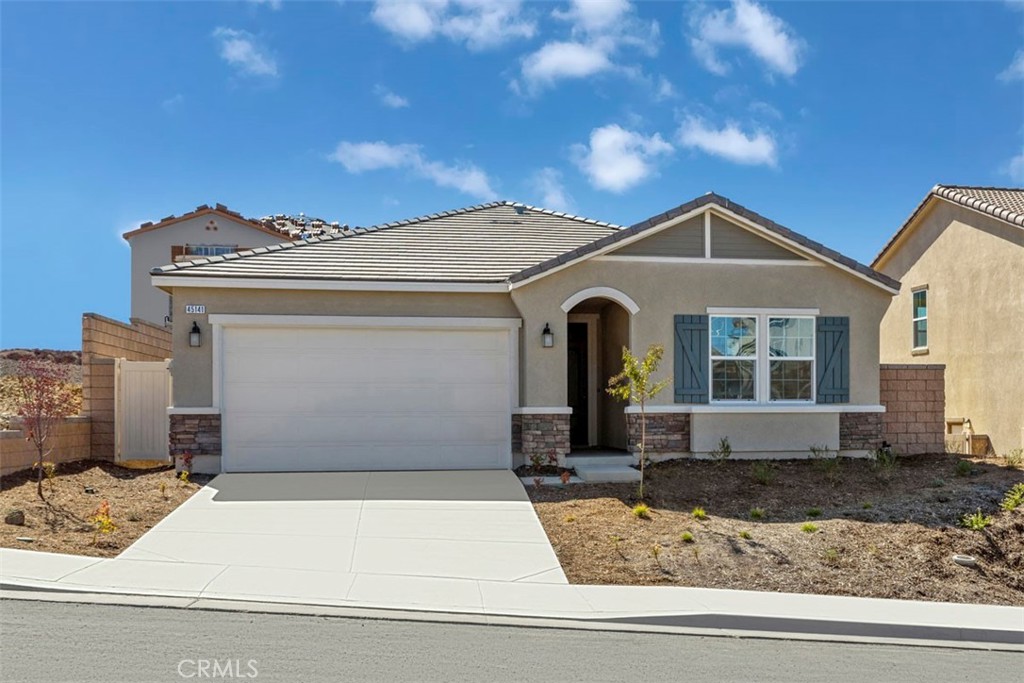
[{"x": 576, "y": 353}]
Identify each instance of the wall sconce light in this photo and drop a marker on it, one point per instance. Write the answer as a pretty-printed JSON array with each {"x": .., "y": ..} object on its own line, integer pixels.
[
  {"x": 547, "y": 336},
  {"x": 195, "y": 336}
]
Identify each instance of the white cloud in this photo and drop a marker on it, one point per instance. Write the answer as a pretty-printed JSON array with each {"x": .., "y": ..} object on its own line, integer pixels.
[
  {"x": 390, "y": 99},
  {"x": 547, "y": 182},
  {"x": 749, "y": 26},
  {"x": 664, "y": 90},
  {"x": 1015, "y": 71},
  {"x": 598, "y": 30},
  {"x": 239, "y": 49},
  {"x": 480, "y": 24},
  {"x": 618, "y": 159},
  {"x": 272, "y": 4},
  {"x": 729, "y": 142},
  {"x": 1015, "y": 168},
  {"x": 173, "y": 103},
  {"x": 359, "y": 157}
]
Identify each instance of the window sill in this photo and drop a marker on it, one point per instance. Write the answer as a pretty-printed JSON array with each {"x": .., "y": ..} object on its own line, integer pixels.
[{"x": 919, "y": 352}]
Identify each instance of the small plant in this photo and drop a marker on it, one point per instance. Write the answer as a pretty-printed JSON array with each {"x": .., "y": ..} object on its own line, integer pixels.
[
  {"x": 746, "y": 535},
  {"x": 866, "y": 505},
  {"x": 696, "y": 553},
  {"x": 565, "y": 477},
  {"x": 656, "y": 553},
  {"x": 809, "y": 528},
  {"x": 102, "y": 522},
  {"x": 885, "y": 461},
  {"x": 49, "y": 472},
  {"x": 538, "y": 482},
  {"x": 723, "y": 452},
  {"x": 641, "y": 511},
  {"x": 757, "y": 513},
  {"x": 963, "y": 468},
  {"x": 699, "y": 513},
  {"x": 814, "y": 512},
  {"x": 570, "y": 519},
  {"x": 183, "y": 478},
  {"x": 827, "y": 462},
  {"x": 536, "y": 461},
  {"x": 937, "y": 483},
  {"x": 552, "y": 458},
  {"x": 830, "y": 557},
  {"x": 163, "y": 490},
  {"x": 975, "y": 521},
  {"x": 1014, "y": 498},
  {"x": 763, "y": 472},
  {"x": 1015, "y": 458},
  {"x": 686, "y": 537}
]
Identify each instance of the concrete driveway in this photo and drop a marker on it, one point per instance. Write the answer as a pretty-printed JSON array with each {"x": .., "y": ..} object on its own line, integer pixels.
[{"x": 360, "y": 525}]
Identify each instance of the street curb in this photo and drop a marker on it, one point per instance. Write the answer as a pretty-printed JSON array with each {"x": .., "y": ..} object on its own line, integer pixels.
[{"x": 708, "y": 625}]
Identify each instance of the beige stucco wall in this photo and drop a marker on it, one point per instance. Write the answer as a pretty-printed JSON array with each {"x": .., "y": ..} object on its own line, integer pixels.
[
  {"x": 973, "y": 265},
  {"x": 192, "y": 368},
  {"x": 765, "y": 435},
  {"x": 614, "y": 335},
  {"x": 662, "y": 290},
  {"x": 153, "y": 249}
]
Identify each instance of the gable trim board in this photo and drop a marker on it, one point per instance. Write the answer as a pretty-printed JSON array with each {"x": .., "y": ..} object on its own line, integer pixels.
[
  {"x": 954, "y": 195},
  {"x": 168, "y": 282},
  {"x": 611, "y": 258}
]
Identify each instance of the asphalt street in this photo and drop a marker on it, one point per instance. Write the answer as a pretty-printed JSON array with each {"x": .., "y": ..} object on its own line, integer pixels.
[{"x": 53, "y": 641}]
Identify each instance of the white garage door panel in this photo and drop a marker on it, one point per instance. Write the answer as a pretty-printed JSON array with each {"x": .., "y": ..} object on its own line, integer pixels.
[{"x": 365, "y": 398}]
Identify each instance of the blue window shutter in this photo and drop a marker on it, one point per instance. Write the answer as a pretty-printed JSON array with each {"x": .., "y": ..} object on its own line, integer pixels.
[
  {"x": 833, "y": 359},
  {"x": 691, "y": 358}
]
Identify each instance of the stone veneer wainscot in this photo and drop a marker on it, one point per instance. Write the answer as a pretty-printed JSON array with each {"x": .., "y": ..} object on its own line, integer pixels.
[
  {"x": 197, "y": 434},
  {"x": 540, "y": 434}
]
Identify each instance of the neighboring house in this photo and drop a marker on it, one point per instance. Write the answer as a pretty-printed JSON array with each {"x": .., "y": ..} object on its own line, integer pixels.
[
  {"x": 960, "y": 257},
  {"x": 204, "y": 232},
  {"x": 479, "y": 337}
]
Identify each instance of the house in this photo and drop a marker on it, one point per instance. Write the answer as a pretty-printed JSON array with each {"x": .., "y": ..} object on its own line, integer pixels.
[
  {"x": 480, "y": 337},
  {"x": 960, "y": 257},
  {"x": 206, "y": 231}
]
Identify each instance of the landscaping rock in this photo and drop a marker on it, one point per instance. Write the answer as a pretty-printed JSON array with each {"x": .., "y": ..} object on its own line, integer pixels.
[
  {"x": 15, "y": 517},
  {"x": 90, "y": 489}
]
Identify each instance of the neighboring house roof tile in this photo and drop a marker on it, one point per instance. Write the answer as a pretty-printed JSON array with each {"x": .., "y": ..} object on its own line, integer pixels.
[
  {"x": 1004, "y": 203},
  {"x": 485, "y": 243},
  {"x": 496, "y": 242},
  {"x": 283, "y": 225}
]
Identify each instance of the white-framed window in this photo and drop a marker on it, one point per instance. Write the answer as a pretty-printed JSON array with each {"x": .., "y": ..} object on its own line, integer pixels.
[
  {"x": 210, "y": 249},
  {"x": 920, "y": 318},
  {"x": 762, "y": 357}
]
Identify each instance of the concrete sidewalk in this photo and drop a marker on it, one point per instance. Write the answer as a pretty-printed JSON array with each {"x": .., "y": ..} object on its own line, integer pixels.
[{"x": 838, "y": 618}]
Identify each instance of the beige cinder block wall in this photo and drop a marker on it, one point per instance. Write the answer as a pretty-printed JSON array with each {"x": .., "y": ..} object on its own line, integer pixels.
[
  {"x": 973, "y": 266},
  {"x": 192, "y": 368},
  {"x": 103, "y": 340},
  {"x": 68, "y": 442}
]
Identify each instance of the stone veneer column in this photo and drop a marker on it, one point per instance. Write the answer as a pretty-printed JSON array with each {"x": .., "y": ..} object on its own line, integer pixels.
[
  {"x": 541, "y": 434},
  {"x": 860, "y": 431},
  {"x": 667, "y": 433},
  {"x": 197, "y": 434}
]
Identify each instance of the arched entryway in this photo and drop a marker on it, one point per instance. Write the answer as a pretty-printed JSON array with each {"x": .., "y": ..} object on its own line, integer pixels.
[{"x": 598, "y": 323}]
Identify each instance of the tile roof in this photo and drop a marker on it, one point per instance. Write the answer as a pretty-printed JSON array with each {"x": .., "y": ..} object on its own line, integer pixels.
[
  {"x": 1005, "y": 203},
  {"x": 497, "y": 242},
  {"x": 485, "y": 243}
]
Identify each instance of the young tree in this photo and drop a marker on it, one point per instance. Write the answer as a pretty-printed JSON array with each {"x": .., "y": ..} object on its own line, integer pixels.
[
  {"x": 634, "y": 384},
  {"x": 44, "y": 399}
]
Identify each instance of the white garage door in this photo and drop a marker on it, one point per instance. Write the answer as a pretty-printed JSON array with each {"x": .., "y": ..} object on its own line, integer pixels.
[{"x": 320, "y": 399}]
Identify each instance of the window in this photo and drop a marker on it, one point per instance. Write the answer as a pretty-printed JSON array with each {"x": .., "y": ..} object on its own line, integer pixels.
[
  {"x": 733, "y": 358},
  {"x": 921, "y": 318},
  {"x": 210, "y": 249},
  {"x": 762, "y": 357}
]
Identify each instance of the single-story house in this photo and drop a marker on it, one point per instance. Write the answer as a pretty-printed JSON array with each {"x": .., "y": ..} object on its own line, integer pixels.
[{"x": 479, "y": 337}]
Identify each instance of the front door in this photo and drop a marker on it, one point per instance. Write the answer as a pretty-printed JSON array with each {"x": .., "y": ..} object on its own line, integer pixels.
[{"x": 578, "y": 391}]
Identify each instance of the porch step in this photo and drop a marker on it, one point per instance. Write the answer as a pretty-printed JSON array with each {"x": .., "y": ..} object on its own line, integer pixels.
[
  {"x": 598, "y": 460},
  {"x": 601, "y": 474}
]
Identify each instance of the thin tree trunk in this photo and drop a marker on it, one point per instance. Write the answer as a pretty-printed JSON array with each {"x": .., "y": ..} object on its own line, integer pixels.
[{"x": 643, "y": 444}]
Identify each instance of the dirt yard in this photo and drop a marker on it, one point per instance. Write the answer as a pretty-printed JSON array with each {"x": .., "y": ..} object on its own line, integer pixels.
[
  {"x": 874, "y": 533},
  {"x": 138, "y": 499}
]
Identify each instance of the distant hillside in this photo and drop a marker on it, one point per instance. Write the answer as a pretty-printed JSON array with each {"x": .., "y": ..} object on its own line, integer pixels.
[{"x": 51, "y": 355}]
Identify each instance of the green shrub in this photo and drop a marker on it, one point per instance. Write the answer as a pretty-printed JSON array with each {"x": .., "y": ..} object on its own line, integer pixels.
[
  {"x": 866, "y": 505},
  {"x": 1014, "y": 498},
  {"x": 809, "y": 528},
  {"x": 975, "y": 521},
  {"x": 746, "y": 535},
  {"x": 814, "y": 512},
  {"x": 686, "y": 537},
  {"x": 723, "y": 452},
  {"x": 1015, "y": 458},
  {"x": 699, "y": 513},
  {"x": 885, "y": 462},
  {"x": 962, "y": 468},
  {"x": 763, "y": 472},
  {"x": 830, "y": 556},
  {"x": 938, "y": 483},
  {"x": 757, "y": 513},
  {"x": 641, "y": 511}
]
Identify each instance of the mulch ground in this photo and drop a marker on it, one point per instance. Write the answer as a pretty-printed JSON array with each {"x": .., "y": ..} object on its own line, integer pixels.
[
  {"x": 878, "y": 533},
  {"x": 138, "y": 499}
]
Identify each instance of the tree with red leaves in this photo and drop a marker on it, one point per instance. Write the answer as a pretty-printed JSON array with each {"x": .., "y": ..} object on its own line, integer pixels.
[{"x": 44, "y": 399}]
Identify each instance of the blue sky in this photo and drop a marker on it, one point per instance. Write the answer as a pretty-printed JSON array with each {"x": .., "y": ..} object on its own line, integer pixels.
[{"x": 831, "y": 118}]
